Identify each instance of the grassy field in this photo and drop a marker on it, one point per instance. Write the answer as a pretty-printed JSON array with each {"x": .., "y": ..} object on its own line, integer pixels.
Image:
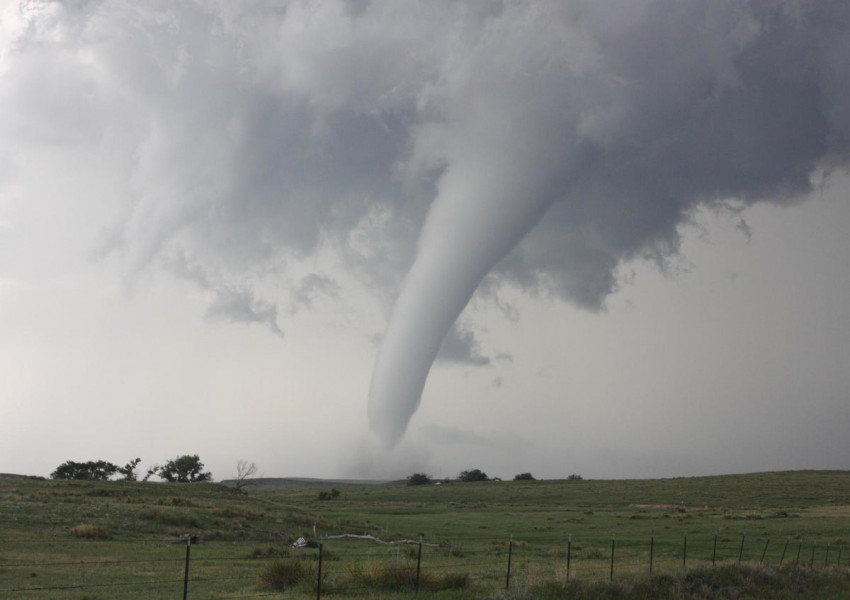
[{"x": 118, "y": 540}]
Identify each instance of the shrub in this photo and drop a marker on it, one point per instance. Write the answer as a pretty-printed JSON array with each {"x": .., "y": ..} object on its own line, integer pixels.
[
  {"x": 129, "y": 470},
  {"x": 401, "y": 576},
  {"x": 450, "y": 581},
  {"x": 575, "y": 477},
  {"x": 183, "y": 469},
  {"x": 593, "y": 553},
  {"x": 281, "y": 574},
  {"x": 524, "y": 477},
  {"x": 174, "y": 517},
  {"x": 394, "y": 576},
  {"x": 724, "y": 582},
  {"x": 419, "y": 479},
  {"x": 175, "y": 501},
  {"x": 259, "y": 552},
  {"x": 98, "y": 470},
  {"x": 85, "y": 530},
  {"x": 473, "y": 475}
]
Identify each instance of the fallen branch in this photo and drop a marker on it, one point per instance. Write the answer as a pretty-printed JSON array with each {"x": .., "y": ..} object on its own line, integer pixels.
[{"x": 372, "y": 538}]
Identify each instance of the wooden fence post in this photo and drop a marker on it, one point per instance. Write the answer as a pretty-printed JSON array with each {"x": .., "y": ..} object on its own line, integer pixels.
[
  {"x": 651, "y": 552},
  {"x": 714, "y": 551},
  {"x": 418, "y": 564},
  {"x": 781, "y": 558},
  {"x": 510, "y": 551},
  {"x": 186, "y": 568},
  {"x": 319, "y": 576},
  {"x": 611, "y": 576},
  {"x": 741, "y": 551}
]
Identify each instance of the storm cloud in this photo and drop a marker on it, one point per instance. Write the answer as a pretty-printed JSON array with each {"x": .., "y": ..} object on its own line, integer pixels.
[{"x": 425, "y": 145}]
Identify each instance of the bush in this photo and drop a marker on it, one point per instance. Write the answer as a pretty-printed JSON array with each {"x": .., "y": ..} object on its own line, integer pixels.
[
  {"x": 524, "y": 477},
  {"x": 328, "y": 495},
  {"x": 183, "y": 469},
  {"x": 259, "y": 552},
  {"x": 394, "y": 576},
  {"x": 98, "y": 470},
  {"x": 86, "y": 530},
  {"x": 281, "y": 574},
  {"x": 724, "y": 582},
  {"x": 129, "y": 470},
  {"x": 473, "y": 475},
  {"x": 450, "y": 581},
  {"x": 174, "y": 517},
  {"x": 419, "y": 479},
  {"x": 575, "y": 477},
  {"x": 401, "y": 576}
]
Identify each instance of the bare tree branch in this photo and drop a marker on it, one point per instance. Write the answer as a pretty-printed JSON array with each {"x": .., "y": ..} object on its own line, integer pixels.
[{"x": 244, "y": 472}]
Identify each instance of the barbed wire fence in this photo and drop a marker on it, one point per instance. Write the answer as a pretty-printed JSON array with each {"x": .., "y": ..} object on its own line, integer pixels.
[{"x": 338, "y": 566}]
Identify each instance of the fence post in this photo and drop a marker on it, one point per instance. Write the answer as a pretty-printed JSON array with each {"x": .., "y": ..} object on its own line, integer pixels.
[
  {"x": 838, "y": 562},
  {"x": 826, "y": 560},
  {"x": 569, "y": 554},
  {"x": 714, "y": 551},
  {"x": 510, "y": 551},
  {"x": 611, "y": 576},
  {"x": 799, "y": 548},
  {"x": 651, "y": 552},
  {"x": 812, "y": 561},
  {"x": 186, "y": 568},
  {"x": 741, "y": 551},
  {"x": 781, "y": 558},
  {"x": 685, "y": 552},
  {"x": 319, "y": 576},
  {"x": 418, "y": 563},
  {"x": 764, "y": 552}
]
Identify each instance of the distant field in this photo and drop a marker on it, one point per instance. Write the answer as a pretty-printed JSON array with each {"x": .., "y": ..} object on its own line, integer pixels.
[{"x": 65, "y": 539}]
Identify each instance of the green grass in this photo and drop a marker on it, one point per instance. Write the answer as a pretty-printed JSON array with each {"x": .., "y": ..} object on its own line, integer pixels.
[
  {"x": 122, "y": 540},
  {"x": 727, "y": 583},
  {"x": 814, "y": 505}
]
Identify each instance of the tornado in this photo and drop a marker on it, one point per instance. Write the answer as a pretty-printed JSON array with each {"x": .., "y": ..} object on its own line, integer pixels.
[
  {"x": 478, "y": 216},
  {"x": 613, "y": 143}
]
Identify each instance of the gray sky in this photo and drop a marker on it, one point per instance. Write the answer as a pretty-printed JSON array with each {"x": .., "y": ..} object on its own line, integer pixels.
[{"x": 214, "y": 216}]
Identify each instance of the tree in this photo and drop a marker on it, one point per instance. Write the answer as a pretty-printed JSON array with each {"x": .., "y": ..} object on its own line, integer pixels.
[
  {"x": 524, "y": 477},
  {"x": 419, "y": 479},
  {"x": 244, "y": 471},
  {"x": 151, "y": 471},
  {"x": 473, "y": 475},
  {"x": 129, "y": 470},
  {"x": 98, "y": 470},
  {"x": 183, "y": 469}
]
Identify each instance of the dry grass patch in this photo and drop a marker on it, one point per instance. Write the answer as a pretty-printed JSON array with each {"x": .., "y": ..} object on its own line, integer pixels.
[
  {"x": 282, "y": 574},
  {"x": 86, "y": 530}
]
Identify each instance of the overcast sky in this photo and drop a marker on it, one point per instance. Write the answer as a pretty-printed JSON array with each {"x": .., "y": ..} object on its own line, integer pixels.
[{"x": 246, "y": 230}]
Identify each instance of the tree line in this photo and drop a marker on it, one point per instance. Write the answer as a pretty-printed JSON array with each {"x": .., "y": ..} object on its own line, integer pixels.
[
  {"x": 471, "y": 475},
  {"x": 187, "y": 468}
]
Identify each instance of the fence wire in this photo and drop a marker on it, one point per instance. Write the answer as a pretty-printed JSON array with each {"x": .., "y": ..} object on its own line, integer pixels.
[{"x": 218, "y": 570}]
